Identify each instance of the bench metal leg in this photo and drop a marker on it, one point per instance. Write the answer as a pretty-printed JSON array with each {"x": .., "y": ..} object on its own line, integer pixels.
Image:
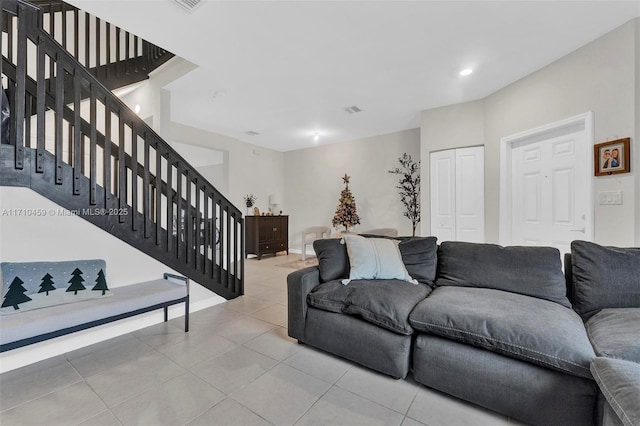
[
  {"x": 166, "y": 313},
  {"x": 186, "y": 315}
]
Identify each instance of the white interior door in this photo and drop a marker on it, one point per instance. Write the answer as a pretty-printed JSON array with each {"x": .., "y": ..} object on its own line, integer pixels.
[
  {"x": 457, "y": 194},
  {"x": 470, "y": 194},
  {"x": 549, "y": 191},
  {"x": 443, "y": 194}
]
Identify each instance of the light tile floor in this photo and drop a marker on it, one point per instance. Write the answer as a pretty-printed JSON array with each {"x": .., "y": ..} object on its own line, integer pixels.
[{"x": 236, "y": 366}]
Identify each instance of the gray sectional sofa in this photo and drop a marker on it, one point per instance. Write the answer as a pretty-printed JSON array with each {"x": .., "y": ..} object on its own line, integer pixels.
[{"x": 501, "y": 327}]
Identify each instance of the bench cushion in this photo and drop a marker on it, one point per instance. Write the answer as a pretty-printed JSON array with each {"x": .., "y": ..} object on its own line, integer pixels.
[
  {"x": 385, "y": 303},
  {"x": 615, "y": 333},
  {"x": 517, "y": 326},
  {"x": 531, "y": 271},
  {"x": 124, "y": 300},
  {"x": 35, "y": 285}
]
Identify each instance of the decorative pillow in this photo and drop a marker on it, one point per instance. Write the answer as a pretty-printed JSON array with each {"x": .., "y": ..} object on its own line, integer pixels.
[
  {"x": 604, "y": 277},
  {"x": 333, "y": 261},
  {"x": 33, "y": 285},
  {"x": 531, "y": 271},
  {"x": 420, "y": 257},
  {"x": 375, "y": 258}
]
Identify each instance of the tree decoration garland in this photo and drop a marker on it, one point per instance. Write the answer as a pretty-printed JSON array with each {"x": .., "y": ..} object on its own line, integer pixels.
[{"x": 346, "y": 213}]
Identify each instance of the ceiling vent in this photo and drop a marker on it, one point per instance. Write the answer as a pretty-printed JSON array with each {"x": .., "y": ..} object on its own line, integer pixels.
[
  {"x": 251, "y": 133},
  {"x": 189, "y": 4},
  {"x": 353, "y": 109}
]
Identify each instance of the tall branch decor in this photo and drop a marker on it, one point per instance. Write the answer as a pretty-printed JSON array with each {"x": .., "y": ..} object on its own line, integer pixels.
[
  {"x": 346, "y": 213},
  {"x": 409, "y": 188}
]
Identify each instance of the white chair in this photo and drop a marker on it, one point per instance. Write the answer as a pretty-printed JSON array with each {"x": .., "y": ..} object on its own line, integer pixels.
[
  {"x": 384, "y": 232},
  {"x": 309, "y": 235}
]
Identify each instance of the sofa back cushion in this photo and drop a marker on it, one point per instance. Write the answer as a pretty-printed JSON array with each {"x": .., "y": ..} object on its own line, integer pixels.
[
  {"x": 604, "y": 277},
  {"x": 419, "y": 255},
  {"x": 33, "y": 285},
  {"x": 531, "y": 271}
]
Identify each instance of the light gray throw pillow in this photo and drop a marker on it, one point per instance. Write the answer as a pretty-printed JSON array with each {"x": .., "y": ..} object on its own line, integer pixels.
[{"x": 375, "y": 258}]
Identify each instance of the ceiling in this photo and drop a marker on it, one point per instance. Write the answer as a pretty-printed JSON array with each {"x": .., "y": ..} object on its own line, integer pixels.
[{"x": 288, "y": 69}]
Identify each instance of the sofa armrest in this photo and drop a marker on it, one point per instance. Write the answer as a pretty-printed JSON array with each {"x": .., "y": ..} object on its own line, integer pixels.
[
  {"x": 299, "y": 285},
  {"x": 619, "y": 382}
]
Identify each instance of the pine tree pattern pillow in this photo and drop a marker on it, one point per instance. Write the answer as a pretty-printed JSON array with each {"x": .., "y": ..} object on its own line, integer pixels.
[{"x": 33, "y": 285}]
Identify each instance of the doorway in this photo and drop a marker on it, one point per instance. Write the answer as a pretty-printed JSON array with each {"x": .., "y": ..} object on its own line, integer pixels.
[{"x": 546, "y": 185}]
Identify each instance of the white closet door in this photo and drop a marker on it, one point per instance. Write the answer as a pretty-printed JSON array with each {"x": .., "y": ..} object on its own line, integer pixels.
[
  {"x": 457, "y": 194},
  {"x": 443, "y": 195},
  {"x": 470, "y": 194}
]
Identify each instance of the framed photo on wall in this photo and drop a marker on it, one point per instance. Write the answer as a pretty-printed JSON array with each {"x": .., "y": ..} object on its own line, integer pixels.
[{"x": 612, "y": 157}]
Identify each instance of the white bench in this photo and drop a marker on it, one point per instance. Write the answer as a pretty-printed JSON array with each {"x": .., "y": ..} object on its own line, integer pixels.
[{"x": 25, "y": 328}]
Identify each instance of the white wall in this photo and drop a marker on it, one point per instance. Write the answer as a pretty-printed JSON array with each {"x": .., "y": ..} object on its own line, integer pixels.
[
  {"x": 313, "y": 182},
  {"x": 246, "y": 168},
  {"x": 57, "y": 237},
  {"x": 636, "y": 153},
  {"x": 252, "y": 169},
  {"x": 454, "y": 126},
  {"x": 599, "y": 77}
]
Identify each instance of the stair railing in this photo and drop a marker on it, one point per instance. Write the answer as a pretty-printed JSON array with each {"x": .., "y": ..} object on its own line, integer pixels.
[
  {"x": 100, "y": 154},
  {"x": 108, "y": 51}
]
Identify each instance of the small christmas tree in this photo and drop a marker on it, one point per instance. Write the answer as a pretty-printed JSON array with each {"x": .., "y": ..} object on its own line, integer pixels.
[
  {"x": 101, "y": 283},
  {"x": 76, "y": 281},
  {"x": 346, "y": 214},
  {"x": 15, "y": 295},
  {"x": 47, "y": 284}
]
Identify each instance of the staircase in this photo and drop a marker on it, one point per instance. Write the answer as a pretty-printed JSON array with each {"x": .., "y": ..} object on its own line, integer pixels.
[{"x": 74, "y": 142}]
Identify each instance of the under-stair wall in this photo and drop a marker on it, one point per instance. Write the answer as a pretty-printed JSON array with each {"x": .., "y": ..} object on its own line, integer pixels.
[
  {"x": 55, "y": 235},
  {"x": 99, "y": 159}
]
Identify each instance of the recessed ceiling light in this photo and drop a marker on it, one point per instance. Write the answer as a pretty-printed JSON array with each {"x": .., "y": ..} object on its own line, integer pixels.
[
  {"x": 316, "y": 137},
  {"x": 466, "y": 71},
  {"x": 137, "y": 109}
]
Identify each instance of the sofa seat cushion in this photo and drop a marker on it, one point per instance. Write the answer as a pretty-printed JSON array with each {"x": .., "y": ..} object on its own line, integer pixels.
[
  {"x": 619, "y": 382},
  {"x": 385, "y": 303},
  {"x": 521, "y": 327},
  {"x": 615, "y": 333},
  {"x": 330, "y": 296}
]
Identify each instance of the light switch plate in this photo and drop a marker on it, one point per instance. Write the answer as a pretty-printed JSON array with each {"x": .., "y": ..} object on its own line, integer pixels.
[{"x": 610, "y": 197}]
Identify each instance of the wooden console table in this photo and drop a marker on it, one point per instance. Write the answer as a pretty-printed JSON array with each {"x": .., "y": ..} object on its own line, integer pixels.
[{"x": 266, "y": 234}]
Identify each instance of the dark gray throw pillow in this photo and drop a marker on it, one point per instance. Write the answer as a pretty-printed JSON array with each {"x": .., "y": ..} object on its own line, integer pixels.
[
  {"x": 604, "y": 277},
  {"x": 420, "y": 257},
  {"x": 333, "y": 261},
  {"x": 531, "y": 271}
]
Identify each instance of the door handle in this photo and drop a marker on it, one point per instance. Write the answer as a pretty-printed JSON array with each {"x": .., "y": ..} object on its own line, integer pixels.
[{"x": 577, "y": 230}]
